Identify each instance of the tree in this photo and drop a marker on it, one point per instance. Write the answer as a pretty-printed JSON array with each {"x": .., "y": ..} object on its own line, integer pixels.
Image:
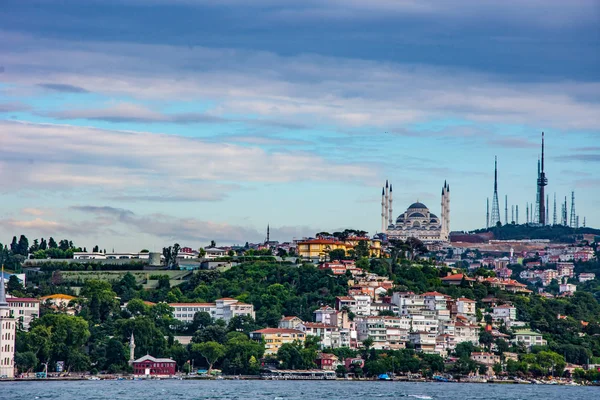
[
  {"x": 52, "y": 243},
  {"x": 43, "y": 244},
  {"x": 26, "y": 361},
  {"x": 211, "y": 351},
  {"x": 23, "y": 246},
  {"x": 212, "y": 333},
  {"x": 201, "y": 252},
  {"x": 213, "y": 244},
  {"x": 497, "y": 368},
  {"x": 96, "y": 249},
  {"x": 362, "y": 249},
  {"x": 14, "y": 285}
]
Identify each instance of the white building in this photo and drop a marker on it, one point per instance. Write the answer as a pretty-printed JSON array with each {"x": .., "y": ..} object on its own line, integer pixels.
[
  {"x": 505, "y": 312},
  {"x": 8, "y": 327},
  {"x": 466, "y": 307},
  {"x": 587, "y": 276},
  {"x": 434, "y": 301},
  {"x": 567, "y": 288},
  {"x": 225, "y": 309},
  {"x": 214, "y": 252},
  {"x": 529, "y": 338},
  {"x": 24, "y": 310},
  {"x": 363, "y": 304},
  {"x": 329, "y": 335}
]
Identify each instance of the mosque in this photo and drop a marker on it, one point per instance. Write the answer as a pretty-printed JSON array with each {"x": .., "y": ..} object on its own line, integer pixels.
[{"x": 417, "y": 221}]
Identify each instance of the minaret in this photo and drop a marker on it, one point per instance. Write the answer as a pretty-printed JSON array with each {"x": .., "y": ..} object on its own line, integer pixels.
[
  {"x": 387, "y": 203},
  {"x": 268, "y": 234},
  {"x": 447, "y": 210},
  {"x": 495, "y": 204},
  {"x": 487, "y": 214},
  {"x": 8, "y": 328},
  {"x": 554, "y": 219},
  {"x": 512, "y": 213},
  {"x": 383, "y": 224},
  {"x": 542, "y": 182},
  {"x": 131, "y": 349},
  {"x": 390, "y": 212},
  {"x": 443, "y": 209}
]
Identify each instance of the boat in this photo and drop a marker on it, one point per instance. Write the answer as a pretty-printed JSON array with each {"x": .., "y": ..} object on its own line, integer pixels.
[{"x": 384, "y": 377}]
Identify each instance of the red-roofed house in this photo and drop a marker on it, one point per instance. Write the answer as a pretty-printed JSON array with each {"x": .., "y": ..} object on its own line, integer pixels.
[{"x": 456, "y": 279}]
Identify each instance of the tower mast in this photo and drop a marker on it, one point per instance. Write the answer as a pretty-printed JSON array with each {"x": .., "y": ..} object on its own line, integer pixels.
[
  {"x": 506, "y": 209},
  {"x": 573, "y": 219},
  {"x": 487, "y": 214},
  {"x": 542, "y": 182},
  {"x": 495, "y": 205},
  {"x": 554, "y": 219}
]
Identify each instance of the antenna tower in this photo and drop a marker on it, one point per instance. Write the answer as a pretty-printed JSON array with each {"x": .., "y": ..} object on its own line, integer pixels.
[
  {"x": 517, "y": 212},
  {"x": 506, "y": 222},
  {"x": 495, "y": 206},
  {"x": 554, "y": 219},
  {"x": 542, "y": 183},
  {"x": 573, "y": 219},
  {"x": 487, "y": 214}
]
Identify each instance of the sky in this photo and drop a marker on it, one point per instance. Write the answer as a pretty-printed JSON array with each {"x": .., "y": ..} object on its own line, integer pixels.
[{"x": 139, "y": 123}]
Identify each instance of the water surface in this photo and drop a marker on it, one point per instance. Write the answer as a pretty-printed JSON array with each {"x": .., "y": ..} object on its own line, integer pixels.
[{"x": 285, "y": 390}]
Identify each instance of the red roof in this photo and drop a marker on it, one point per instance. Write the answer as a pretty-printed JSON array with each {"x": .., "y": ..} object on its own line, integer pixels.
[
  {"x": 433, "y": 294},
  {"x": 21, "y": 299},
  {"x": 457, "y": 277},
  {"x": 465, "y": 299},
  {"x": 278, "y": 330}
]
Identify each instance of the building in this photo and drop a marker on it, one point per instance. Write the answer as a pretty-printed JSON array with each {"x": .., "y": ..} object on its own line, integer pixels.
[
  {"x": 8, "y": 327},
  {"x": 329, "y": 335},
  {"x": 225, "y": 309},
  {"x": 214, "y": 252},
  {"x": 529, "y": 338},
  {"x": 59, "y": 302},
  {"x": 417, "y": 221},
  {"x": 150, "y": 366},
  {"x": 319, "y": 248},
  {"x": 24, "y": 310},
  {"x": 457, "y": 279},
  {"x": 274, "y": 338},
  {"x": 326, "y": 361},
  {"x": 291, "y": 322},
  {"x": 487, "y": 359},
  {"x": 466, "y": 307},
  {"x": 587, "y": 276},
  {"x": 505, "y": 312},
  {"x": 567, "y": 288}
]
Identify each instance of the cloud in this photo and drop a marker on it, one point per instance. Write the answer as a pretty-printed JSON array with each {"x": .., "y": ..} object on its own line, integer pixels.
[
  {"x": 13, "y": 107},
  {"x": 62, "y": 87},
  {"x": 33, "y": 211},
  {"x": 155, "y": 166},
  {"x": 580, "y": 157},
  {"x": 304, "y": 92},
  {"x": 514, "y": 143},
  {"x": 194, "y": 230},
  {"x": 129, "y": 112}
]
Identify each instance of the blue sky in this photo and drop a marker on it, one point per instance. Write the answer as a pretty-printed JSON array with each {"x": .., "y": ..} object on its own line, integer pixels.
[{"x": 134, "y": 124}]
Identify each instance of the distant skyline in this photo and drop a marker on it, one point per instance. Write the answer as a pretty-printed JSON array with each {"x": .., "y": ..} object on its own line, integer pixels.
[{"x": 134, "y": 124}]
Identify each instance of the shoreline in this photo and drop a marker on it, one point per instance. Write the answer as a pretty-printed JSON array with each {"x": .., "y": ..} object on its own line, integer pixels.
[{"x": 259, "y": 378}]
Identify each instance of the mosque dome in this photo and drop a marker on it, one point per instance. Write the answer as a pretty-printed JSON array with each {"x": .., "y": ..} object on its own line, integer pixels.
[
  {"x": 416, "y": 215},
  {"x": 417, "y": 205}
]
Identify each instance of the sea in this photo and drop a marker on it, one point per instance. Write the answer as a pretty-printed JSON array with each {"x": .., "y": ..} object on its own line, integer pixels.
[{"x": 285, "y": 390}]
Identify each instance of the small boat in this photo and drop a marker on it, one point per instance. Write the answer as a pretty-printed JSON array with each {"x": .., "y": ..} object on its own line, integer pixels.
[{"x": 384, "y": 377}]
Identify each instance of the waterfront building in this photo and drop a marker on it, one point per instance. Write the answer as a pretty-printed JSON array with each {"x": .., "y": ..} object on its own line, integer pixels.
[
  {"x": 291, "y": 322},
  {"x": 319, "y": 248},
  {"x": 8, "y": 327},
  {"x": 274, "y": 338},
  {"x": 24, "y": 310},
  {"x": 150, "y": 366}
]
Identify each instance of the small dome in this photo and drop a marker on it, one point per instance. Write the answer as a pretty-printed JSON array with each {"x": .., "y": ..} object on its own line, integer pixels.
[
  {"x": 417, "y": 205},
  {"x": 432, "y": 215},
  {"x": 416, "y": 215},
  {"x": 433, "y": 221}
]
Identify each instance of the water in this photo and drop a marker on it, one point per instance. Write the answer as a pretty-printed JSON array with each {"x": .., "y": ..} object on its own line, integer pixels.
[{"x": 284, "y": 390}]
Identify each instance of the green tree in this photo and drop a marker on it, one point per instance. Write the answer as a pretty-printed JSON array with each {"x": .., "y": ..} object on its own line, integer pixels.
[
  {"x": 14, "y": 285},
  {"x": 211, "y": 351},
  {"x": 337, "y": 254},
  {"x": 26, "y": 361}
]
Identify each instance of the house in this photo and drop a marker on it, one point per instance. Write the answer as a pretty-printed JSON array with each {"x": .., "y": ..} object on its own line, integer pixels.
[
  {"x": 465, "y": 331},
  {"x": 326, "y": 315},
  {"x": 274, "y": 338},
  {"x": 457, "y": 279},
  {"x": 529, "y": 338},
  {"x": 423, "y": 341},
  {"x": 466, "y": 307},
  {"x": 565, "y": 269},
  {"x": 434, "y": 300},
  {"x": 326, "y": 361},
  {"x": 345, "y": 302},
  {"x": 587, "y": 276},
  {"x": 150, "y": 366},
  {"x": 329, "y": 335},
  {"x": 24, "y": 310},
  {"x": 214, "y": 252},
  {"x": 59, "y": 300},
  {"x": 567, "y": 288},
  {"x": 487, "y": 359},
  {"x": 291, "y": 322},
  {"x": 505, "y": 312}
]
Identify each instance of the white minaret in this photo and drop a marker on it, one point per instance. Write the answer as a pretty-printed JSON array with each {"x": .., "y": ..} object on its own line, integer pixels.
[
  {"x": 447, "y": 210},
  {"x": 390, "y": 212},
  {"x": 383, "y": 224},
  {"x": 131, "y": 349},
  {"x": 8, "y": 328},
  {"x": 443, "y": 205},
  {"x": 387, "y": 203}
]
